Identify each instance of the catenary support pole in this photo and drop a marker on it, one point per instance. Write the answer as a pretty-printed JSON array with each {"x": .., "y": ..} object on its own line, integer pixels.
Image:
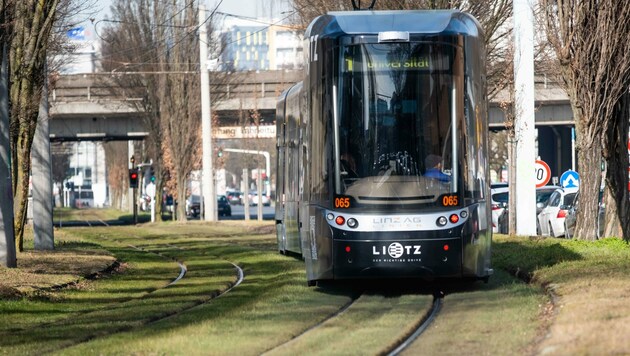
[
  {"x": 209, "y": 200},
  {"x": 42, "y": 179},
  {"x": 7, "y": 235},
  {"x": 524, "y": 117}
]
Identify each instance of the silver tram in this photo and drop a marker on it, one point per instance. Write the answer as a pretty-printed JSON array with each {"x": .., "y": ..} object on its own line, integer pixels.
[{"x": 382, "y": 148}]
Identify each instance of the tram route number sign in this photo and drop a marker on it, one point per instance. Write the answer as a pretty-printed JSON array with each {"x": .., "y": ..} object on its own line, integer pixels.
[{"x": 542, "y": 173}]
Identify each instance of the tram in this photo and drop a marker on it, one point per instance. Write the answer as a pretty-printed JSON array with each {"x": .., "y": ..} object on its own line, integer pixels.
[{"x": 382, "y": 149}]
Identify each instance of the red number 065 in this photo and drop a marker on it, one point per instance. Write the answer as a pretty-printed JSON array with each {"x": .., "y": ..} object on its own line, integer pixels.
[
  {"x": 342, "y": 202},
  {"x": 450, "y": 200}
]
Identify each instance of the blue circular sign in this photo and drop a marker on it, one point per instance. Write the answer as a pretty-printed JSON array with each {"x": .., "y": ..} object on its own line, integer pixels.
[{"x": 570, "y": 179}]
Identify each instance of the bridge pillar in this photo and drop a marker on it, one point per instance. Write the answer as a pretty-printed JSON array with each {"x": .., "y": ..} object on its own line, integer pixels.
[{"x": 42, "y": 179}]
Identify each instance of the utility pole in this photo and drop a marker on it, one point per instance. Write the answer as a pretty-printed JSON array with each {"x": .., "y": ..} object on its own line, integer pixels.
[
  {"x": 7, "y": 235},
  {"x": 524, "y": 115},
  {"x": 209, "y": 200},
  {"x": 44, "y": 238}
]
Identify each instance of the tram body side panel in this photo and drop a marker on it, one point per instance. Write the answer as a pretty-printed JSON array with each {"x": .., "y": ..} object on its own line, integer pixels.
[
  {"x": 316, "y": 155},
  {"x": 280, "y": 171},
  {"x": 292, "y": 177},
  {"x": 476, "y": 242},
  {"x": 477, "y": 253}
]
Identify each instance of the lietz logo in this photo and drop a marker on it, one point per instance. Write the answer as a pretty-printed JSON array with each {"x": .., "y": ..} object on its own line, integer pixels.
[{"x": 396, "y": 250}]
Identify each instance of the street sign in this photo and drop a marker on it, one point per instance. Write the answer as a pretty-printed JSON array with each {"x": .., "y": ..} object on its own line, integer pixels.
[
  {"x": 570, "y": 179},
  {"x": 543, "y": 173}
]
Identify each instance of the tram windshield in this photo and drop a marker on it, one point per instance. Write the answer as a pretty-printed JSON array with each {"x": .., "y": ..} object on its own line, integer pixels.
[{"x": 395, "y": 123}]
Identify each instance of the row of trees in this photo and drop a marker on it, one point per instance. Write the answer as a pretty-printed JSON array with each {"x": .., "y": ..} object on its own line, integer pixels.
[{"x": 585, "y": 41}]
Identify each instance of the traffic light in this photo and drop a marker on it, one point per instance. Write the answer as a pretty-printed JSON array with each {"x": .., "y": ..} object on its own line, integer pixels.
[
  {"x": 220, "y": 153},
  {"x": 133, "y": 178},
  {"x": 151, "y": 175}
]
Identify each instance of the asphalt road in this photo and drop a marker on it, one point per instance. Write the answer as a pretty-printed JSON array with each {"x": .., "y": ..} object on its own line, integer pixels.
[{"x": 238, "y": 213}]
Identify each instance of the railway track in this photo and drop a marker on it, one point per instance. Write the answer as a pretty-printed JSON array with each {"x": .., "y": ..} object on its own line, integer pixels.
[
  {"x": 363, "y": 312},
  {"x": 425, "y": 322},
  {"x": 85, "y": 315}
]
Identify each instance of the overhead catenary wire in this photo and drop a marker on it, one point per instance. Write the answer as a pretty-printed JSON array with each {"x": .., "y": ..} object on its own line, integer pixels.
[{"x": 193, "y": 31}]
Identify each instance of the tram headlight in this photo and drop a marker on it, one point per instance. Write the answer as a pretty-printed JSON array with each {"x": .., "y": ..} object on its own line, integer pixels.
[
  {"x": 352, "y": 223},
  {"x": 463, "y": 214},
  {"x": 340, "y": 220},
  {"x": 441, "y": 221},
  {"x": 454, "y": 218},
  {"x": 330, "y": 216}
]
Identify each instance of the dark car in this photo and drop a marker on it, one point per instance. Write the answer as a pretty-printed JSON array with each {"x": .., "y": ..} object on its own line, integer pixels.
[
  {"x": 234, "y": 198},
  {"x": 193, "y": 206},
  {"x": 223, "y": 206}
]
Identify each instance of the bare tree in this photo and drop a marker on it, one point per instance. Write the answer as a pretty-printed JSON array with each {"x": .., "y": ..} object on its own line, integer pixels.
[
  {"x": 158, "y": 41},
  {"x": 117, "y": 172},
  {"x": 590, "y": 42}
]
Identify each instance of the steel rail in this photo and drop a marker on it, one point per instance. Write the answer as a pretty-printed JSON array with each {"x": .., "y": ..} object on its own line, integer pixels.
[{"x": 424, "y": 324}]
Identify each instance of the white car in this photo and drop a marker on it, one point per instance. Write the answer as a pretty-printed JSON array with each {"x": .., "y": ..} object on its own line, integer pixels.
[
  {"x": 551, "y": 218},
  {"x": 499, "y": 199},
  {"x": 253, "y": 199}
]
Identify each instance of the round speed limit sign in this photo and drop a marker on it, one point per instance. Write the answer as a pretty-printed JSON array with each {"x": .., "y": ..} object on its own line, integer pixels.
[{"x": 543, "y": 173}]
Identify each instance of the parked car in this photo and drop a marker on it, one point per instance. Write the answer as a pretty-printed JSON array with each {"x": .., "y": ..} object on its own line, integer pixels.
[
  {"x": 542, "y": 196},
  {"x": 551, "y": 218},
  {"x": 223, "y": 206},
  {"x": 253, "y": 199},
  {"x": 499, "y": 200},
  {"x": 571, "y": 218},
  {"x": 235, "y": 198},
  {"x": 193, "y": 206}
]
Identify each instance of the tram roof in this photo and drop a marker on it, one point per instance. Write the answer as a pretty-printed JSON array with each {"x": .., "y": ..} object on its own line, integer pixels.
[{"x": 428, "y": 22}]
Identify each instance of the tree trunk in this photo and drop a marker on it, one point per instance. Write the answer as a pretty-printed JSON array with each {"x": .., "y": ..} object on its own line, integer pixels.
[
  {"x": 590, "y": 182},
  {"x": 615, "y": 151},
  {"x": 181, "y": 197},
  {"x": 21, "y": 174}
]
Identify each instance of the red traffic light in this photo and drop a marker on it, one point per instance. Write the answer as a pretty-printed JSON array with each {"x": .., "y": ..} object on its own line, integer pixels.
[{"x": 133, "y": 178}]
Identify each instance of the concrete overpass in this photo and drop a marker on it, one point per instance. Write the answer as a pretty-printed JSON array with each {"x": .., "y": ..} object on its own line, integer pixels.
[{"x": 88, "y": 107}]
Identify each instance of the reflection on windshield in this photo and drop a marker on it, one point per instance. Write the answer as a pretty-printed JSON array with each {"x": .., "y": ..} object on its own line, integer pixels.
[{"x": 395, "y": 115}]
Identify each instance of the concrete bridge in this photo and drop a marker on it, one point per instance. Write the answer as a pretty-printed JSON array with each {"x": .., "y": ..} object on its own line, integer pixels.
[{"x": 88, "y": 107}]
